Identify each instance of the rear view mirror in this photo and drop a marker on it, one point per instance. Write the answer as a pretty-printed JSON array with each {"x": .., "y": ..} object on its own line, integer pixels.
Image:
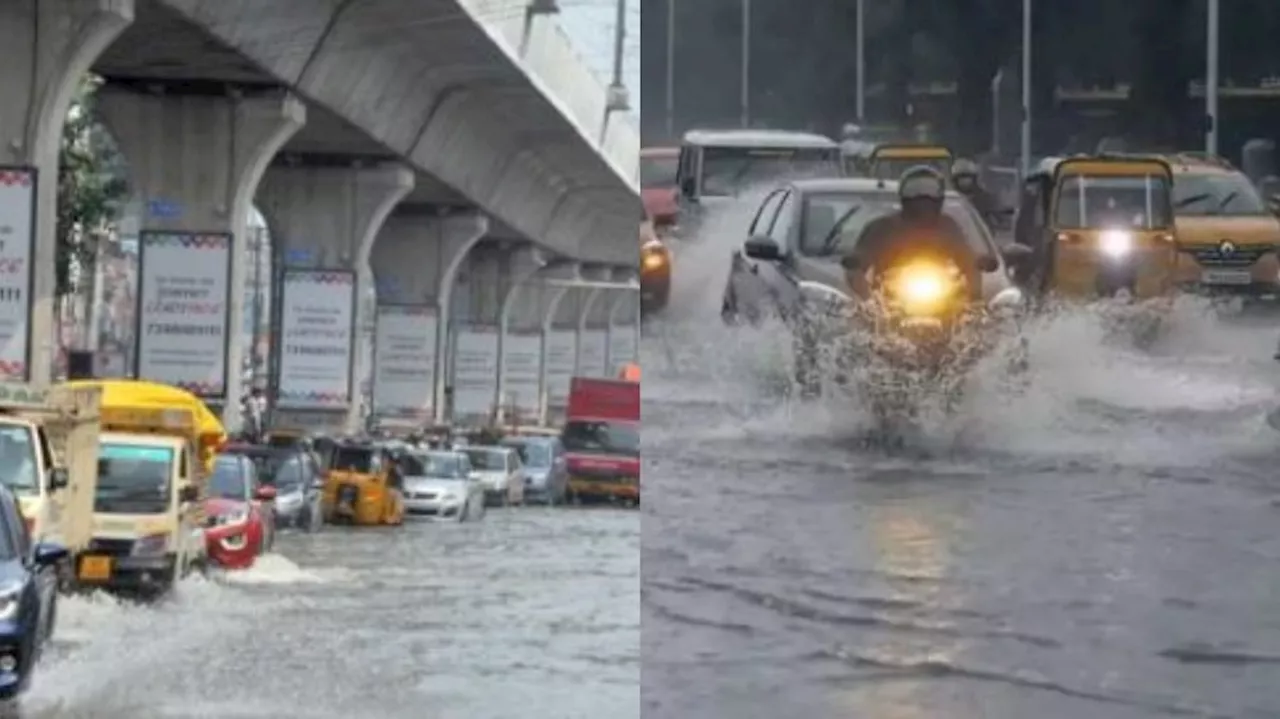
[
  {"x": 48, "y": 554},
  {"x": 762, "y": 247},
  {"x": 265, "y": 493},
  {"x": 987, "y": 263},
  {"x": 58, "y": 478},
  {"x": 188, "y": 493},
  {"x": 688, "y": 186},
  {"x": 851, "y": 263}
]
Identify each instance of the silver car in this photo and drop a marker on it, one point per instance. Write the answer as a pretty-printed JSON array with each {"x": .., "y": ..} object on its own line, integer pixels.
[
  {"x": 500, "y": 473},
  {"x": 440, "y": 485}
]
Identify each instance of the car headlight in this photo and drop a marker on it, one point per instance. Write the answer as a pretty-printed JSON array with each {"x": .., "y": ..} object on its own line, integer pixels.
[
  {"x": 151, "y": 545},
  {"x": 10, "y": 598},
  {"x": 450, "y": 497},
  {"x": 234, "y": 517},
  {"x": 1116, "y": 243}
]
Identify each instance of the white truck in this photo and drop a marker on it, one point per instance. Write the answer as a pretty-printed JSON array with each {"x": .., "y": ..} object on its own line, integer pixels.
[{"x": 48, "y": 459}]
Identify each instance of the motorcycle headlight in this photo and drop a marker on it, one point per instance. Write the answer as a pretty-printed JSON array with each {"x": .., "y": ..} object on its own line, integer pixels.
[
  {"x": 923, "y": 287},
  {"x": 1116, "y": 243}
]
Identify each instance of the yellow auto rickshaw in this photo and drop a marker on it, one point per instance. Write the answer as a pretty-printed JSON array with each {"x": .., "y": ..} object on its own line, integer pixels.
[
  {"x": 1097, "y": 226},
  {"x": 363, "y": 485},
  {"x": 888, "y": 162}
]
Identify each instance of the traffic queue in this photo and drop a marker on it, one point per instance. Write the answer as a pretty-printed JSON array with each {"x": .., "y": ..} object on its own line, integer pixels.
[{"x": 128, "y": 487}]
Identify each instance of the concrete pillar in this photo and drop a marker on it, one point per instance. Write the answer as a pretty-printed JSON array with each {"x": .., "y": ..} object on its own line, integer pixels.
[
  {"x": 593, "y": 318},
  {"x": 49, "y": 46},
  {"x": 326, "y": 218},
  {"x": 416, "y": 259},
  {"x": 624, "y": 319},
  {"x": 523, "y": 310},
  {"x": 552, "y": 298},
  {"x": 195, "y": 162}
]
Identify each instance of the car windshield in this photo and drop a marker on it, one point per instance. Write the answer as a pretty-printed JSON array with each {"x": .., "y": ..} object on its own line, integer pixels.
[
  {"x": 228, "y": 480},
  {"x": 18, "y": 459},
  {"x": 658, "y": 172},
  {"x": 267, "y": 463},
  {"x": 595, "y": 437},
  {"x": 487, "y": 460},
  {"x": 891, "y": 168},
  {"x": 727, "y": 171},
  {"x": 133, "y": 479},
  {"x": 354, "y": 459},
  {"x": 1092, "y": 202},
  {"x": 1225, "y": 194},
  {"x": 824, "y": 210},
  {"x": 437, "y": 465},
  {"x": 533, "y": 454}
]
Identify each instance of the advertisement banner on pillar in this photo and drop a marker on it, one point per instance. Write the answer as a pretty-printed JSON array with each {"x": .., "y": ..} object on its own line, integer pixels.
[
  {"x": 561, "y": 352},
  {"x": 593, "y": 347},
  {"x": 17, "y": 250},
  {"x": 184, "y": 310},
  {"x": 404, "y": 361},
  {"x": 622, "y": 347},
  {"x": 521, "y": 372},
  {"x": 317, "y": 322},
  {"x": 475, "y": 371}
]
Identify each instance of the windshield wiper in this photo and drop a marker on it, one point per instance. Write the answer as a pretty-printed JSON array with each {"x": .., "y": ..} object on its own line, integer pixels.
[
  {"x": 1226, "y": 199},
  {"x": 1191, "y": 200},
  {"x": 829, "y": 239}
]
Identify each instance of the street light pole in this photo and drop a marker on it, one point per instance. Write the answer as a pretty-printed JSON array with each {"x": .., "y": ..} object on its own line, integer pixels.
[
  {"x": 1211, "y": 79},
  {"x": 1026, "y": 88},
  {"x": 671, "y": 69},
  {"x": 746, "y": 63},
  {"x": 254, "y": 358},
  {"x": 861, "y": 73}
]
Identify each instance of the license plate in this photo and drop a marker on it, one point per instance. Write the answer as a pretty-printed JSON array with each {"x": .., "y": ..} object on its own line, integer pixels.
[
  {"x": 1226, "y": 277},
  {"x": 95, "y": 569}
]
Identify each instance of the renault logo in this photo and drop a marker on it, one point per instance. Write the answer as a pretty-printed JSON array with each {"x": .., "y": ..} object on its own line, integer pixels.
[{"x": 1226, "y": 248}]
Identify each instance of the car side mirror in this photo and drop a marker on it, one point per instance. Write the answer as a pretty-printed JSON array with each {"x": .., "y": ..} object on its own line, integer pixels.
[
  {"x": 688, "y": 186},
  {"x": 265, "y": 493},
  {"x": 58, "y": 478},
  {"x": 188, "y": 493},
  {"x": 47, "y": 554},
  {"x": 851, "y": 263},
  {"x": 987, "y": 263},
  {"x": 762, "y": 247}
]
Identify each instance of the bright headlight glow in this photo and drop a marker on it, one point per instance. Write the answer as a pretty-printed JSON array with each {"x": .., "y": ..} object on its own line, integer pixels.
[
  {"x": 1116, "y": 243},
  {"x": 9, "y": 596},
  {"x": 654, "y": 260},
  {"x": 922, "y": 285}
]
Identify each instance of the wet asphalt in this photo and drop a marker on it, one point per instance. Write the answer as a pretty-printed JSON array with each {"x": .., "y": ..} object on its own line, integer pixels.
[
  {"x": 1100, "y": 542},
  {"x": 532, "y": 612}
]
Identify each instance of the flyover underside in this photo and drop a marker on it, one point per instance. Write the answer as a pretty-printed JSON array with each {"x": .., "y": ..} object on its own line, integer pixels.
[{"x": 427, "y": 81}]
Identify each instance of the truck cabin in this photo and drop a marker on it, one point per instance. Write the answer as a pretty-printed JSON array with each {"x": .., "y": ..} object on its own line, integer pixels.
[
  {"x": 725, "y": 163},
  {"x": 603, "y": 418}
]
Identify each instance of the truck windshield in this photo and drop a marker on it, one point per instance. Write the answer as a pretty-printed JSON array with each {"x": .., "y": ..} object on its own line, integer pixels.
[
  {"x": 595, "y": 437},
  {"x": 18, "y": 459},
  {"x": 133, "y": 479}
]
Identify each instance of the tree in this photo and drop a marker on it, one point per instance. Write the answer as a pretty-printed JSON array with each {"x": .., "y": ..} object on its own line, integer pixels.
[{"x": 91, "y": 189}]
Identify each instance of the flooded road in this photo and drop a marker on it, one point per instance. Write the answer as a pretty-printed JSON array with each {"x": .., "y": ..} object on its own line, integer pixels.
[
  {"x": 1102, "y": 543},
  {"x": 530, "y": 613}
]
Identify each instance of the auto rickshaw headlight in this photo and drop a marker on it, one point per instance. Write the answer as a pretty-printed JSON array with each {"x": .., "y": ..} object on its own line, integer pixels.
[
  {"x": 1116, "y": 243},
  {"x": 654, "y": 260}
]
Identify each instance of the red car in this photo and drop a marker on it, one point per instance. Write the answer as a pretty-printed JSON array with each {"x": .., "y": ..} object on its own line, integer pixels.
[{"x": 241, "y": 522}]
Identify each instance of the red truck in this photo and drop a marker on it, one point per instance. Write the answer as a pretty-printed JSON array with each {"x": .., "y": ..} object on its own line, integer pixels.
[{"x": 601, "y": 440}]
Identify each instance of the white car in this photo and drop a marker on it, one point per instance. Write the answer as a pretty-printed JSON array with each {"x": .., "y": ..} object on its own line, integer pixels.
[
  {"x": 439, "y": 484},
  {"x": 500, "y": 472}
]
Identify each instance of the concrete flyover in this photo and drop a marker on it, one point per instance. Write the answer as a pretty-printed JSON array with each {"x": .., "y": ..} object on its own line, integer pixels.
[{"x": 439, "y": 141}]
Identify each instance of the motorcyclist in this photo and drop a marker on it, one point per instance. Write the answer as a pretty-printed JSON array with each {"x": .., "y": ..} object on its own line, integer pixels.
[
  {"x": 967, "y": 179},
  {"x": 920, "y": 229}
]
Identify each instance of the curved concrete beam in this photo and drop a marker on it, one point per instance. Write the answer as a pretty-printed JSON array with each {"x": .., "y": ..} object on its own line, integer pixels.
[{"x": 448, "y": 279}]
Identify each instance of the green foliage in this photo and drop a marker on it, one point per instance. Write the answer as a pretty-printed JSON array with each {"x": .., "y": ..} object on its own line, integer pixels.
[{"x": 91, "y": 188}]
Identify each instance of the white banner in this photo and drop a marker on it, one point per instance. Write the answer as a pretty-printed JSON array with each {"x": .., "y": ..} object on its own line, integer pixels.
[
  {"x": 17, "y": 241},
  {"x": 522, "y": 370},
  {"x": 592, "y": 347},
  {"x": 561, "y": 348},
  {"x": 404, "y": 361},
  {"x": 184, "y": 304},
  {"x": 475, "y": 371},
  {"x": 315, "y": 356}
]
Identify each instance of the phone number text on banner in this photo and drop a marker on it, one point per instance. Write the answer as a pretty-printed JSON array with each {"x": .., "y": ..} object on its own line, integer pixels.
[
  {"x": 315, "y": 355},
  {"x": 184, "y": 301},
  {"x": 17, "y": 241}
]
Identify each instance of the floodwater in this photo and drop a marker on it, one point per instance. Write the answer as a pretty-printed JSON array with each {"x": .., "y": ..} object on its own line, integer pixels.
[
  {"x": 1101, "y": 542},
  {"x": 529, "y": 613}
]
